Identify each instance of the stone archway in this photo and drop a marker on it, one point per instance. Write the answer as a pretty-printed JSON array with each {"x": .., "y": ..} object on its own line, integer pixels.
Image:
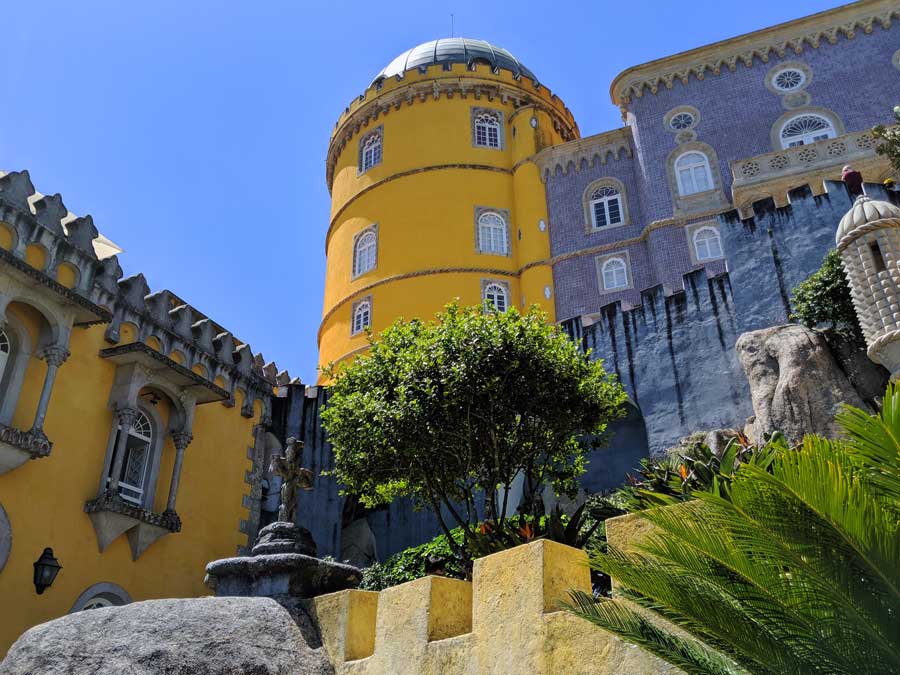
[{"x": 628, "y": 445}]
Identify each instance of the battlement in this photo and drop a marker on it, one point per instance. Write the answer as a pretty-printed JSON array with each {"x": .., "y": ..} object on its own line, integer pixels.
[
  {"x": 580, "y": 154},
  {"x": 432, "y": 82},
  {"x": 507, "y": 620},
  {"x": 59, "y": 250}
]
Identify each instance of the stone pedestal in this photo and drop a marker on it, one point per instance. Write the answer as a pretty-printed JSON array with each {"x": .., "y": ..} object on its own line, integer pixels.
[{"x": 282, "y": 565}]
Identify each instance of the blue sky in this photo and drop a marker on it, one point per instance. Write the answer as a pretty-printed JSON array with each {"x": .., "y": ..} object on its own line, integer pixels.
[{"x": 195, "y": 132}]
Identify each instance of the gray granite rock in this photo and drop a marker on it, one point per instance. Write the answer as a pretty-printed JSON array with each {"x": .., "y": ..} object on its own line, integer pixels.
[
  {"x": 282, "y": 574},
  {"x": 199, "y": 636},
  {"x": 796, "y": 384}
]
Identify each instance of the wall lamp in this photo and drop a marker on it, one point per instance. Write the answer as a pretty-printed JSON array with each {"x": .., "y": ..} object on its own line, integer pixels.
[{"x": 45, "y": 570}]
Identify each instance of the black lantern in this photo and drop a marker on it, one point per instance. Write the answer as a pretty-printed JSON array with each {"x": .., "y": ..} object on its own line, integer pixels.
[{"x": 45, "y": 570}]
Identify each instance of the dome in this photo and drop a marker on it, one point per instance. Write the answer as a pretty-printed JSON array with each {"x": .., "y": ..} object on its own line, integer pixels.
[
  {"x": 454, "y": 50},
  {"x": 865, "y": 210}
]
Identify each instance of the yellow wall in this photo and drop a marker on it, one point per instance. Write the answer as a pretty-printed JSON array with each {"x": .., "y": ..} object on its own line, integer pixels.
[
  {"x": 423, "y": 197},
  {"x": 44, "y": 499}
]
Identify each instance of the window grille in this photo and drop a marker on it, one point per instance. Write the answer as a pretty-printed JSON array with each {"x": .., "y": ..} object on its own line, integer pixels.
[
  {"x": 138, "y": 447},
  {"x": 693, "y": 173},
  {"x": 615, "y": 274},
  {"x": 806, "y": 129},
  {"x": 606, "y": 207},
  {"x": 707, "y": 244},
  {"x": 364, "y": 253},
  {"x": 487, "y": 130},
  {"x": 492, "y": 234},
  {"x": 788, "y": 79},
  {"x": 495, "y": 296},
  {"x": 682, "y": 121}
]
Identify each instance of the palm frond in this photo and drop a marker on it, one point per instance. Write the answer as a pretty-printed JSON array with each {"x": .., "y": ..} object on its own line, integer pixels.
[{"x": 691, "y": 656}]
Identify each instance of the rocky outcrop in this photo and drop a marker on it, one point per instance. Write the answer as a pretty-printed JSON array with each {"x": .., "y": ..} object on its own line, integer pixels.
[
  {"x": 201, "y": 636},
  {"x": 796, "y": 383}
]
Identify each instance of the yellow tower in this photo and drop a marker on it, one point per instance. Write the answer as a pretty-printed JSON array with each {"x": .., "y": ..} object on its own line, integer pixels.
[{"x": 434, "y": 194}]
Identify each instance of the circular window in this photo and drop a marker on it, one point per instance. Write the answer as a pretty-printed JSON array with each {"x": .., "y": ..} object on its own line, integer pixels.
[
  {"x": 789, "y": 79},
  {"x": 682, "y": 121}
]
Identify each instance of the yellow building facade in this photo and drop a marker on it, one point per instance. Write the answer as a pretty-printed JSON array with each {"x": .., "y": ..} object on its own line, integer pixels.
[
  {"x": 435, "y": 194},
  {"x": 132, "y": 427}
]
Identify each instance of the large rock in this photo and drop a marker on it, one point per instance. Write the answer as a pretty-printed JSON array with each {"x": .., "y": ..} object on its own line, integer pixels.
[
  {"x": 795, "y": 382},
  {"x": 200, "y": 636}
]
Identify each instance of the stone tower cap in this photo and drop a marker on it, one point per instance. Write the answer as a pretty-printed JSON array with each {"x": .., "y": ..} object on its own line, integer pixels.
[{"x": 865, "y": 210}]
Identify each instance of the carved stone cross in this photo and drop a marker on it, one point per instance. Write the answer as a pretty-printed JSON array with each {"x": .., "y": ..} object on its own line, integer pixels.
[{"x": 293, "y": 476}]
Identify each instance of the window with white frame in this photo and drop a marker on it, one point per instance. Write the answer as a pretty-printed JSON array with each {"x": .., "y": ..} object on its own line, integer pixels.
[
  {"x": 5, "y": 349},
  {"x": 370, "y": 151},
  {"x": 494, "y": 294},
  {"x": 138, "y": 450},
  {"x": 487, "y": 127},
  {"x": 492, "y": 233},
  {"x": 806, "y": 129},
  {"x": 615, "y": 274},
  {"x": 693, "y": 173},
  {"x": 365, "y": 250},
  {"x": 606, "y": 207},
  {"x": 707, "y": 244},
  {"x": 362, "y": 316},
  {"x": 97, "y": 602}
]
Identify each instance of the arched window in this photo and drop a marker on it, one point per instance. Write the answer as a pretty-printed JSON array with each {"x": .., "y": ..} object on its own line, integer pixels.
[
  {"x": 487, "y": 130},
  {"x": 97, "y": 602},
  {"x": 5, "y": 349},
  {"x": 707, "y": 244},
  {"x": 806, "y": 129},
  {"x": 364, "y": 252},
  {"x": 615, "y": 274},
  {"x": 606, "y": 207},
  {"x": 495, "y": 295},
  {"x": 693, "y": 174},
  {"x": 369, "y": 151},
  {"x": 492, "y": 234},
  {"x": 138, "y": 450},
  {"x": 362, "y": 316}
]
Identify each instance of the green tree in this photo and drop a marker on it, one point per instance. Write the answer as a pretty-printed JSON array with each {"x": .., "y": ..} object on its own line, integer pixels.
[
  {"x": 447, "y": 410},
  {"x": 795, "y": 569},
  {"x": 824, "y": 298},
  {"x": 890, "y": 140}
]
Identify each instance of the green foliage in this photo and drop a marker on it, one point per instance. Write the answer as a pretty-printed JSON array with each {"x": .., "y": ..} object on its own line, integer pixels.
[
  {"x": 890, "y": 140},
  {"x": 824, "y": 298},
  {"x": 411, "y": 563},
  {"x": 797, "y": 571},
  {"x": 692, "y": 468},
  {"x": 445, "y": 410}
]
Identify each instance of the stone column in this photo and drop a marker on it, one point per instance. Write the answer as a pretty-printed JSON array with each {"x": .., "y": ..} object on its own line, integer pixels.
[
  {"x": 181, "y": 439},
  {"x": 125, "y": 417},
  {"x": 55, "y": 357}
]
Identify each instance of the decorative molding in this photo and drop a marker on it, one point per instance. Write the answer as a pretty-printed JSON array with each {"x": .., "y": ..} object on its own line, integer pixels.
[
  {"x": 110, "y": 503},
  {"x": 599, "y": 261},
  {"x": 619, "y": 186},
  {"x": 17, "y": 447},
  {"x": 788, "y": 65},
  {"x": 474, "y": 112},
  {"x": 790, "y": 37},
  {"x": 775, "y": 132},
  {"x": 585, "y": 152}
]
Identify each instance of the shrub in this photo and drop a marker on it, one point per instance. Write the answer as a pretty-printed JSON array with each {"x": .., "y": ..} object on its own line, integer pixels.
[{"x": 824, "y": 298}]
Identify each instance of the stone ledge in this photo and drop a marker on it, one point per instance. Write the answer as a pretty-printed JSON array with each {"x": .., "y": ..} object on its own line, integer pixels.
[
  {"x": 17, "y": 447},
  {"x": 113, "y": 517}
]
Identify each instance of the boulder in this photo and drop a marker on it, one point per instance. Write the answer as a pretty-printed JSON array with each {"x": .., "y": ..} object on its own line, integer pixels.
[
  {"x": 198, "y": 636},
  {"x": 796, "y": 384}
]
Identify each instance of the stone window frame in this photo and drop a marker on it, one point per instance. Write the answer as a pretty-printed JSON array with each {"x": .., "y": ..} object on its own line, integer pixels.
[
  {"x": 501, "y": 127},
  {"x": 373, "y": 228},
  {"x": 353, "y": 309},
  {"x": 606, "y": 181},
  {"x": 112, "y": 593},
  {"x": 775, "y": 132},
  {"x": 504, "y": 214},
  {"x": 13, "y": 375},
  {"x": 485, "y": 283},
  {"x": 151, "y": 469},
  {"x": 601, "y": 260},
  {"x": 708, "y": 200},
  {"x": 895, "y": 59},
  {"x": 788, "y": 65},
  {"x": 692, "y": 230},
  {"x": 377, "y": 131},
  {"x": 677, "y": 110}
]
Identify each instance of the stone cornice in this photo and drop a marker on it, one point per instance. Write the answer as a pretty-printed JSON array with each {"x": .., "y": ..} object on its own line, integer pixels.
[
  {"x": 792, "y": 36},
  {"x": 600, "y": 147},
  {"x": 436, "y": 83},
  {"x": 111, "y": 503}
]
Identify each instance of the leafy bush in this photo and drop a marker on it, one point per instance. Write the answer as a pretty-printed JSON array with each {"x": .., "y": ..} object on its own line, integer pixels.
[
  {"x": 890, "y": 140},
  {"x": 824, "y": 298}
]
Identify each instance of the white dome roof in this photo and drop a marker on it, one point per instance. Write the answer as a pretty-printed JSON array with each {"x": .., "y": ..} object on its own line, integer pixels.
[{"x": 865, "y": 210}]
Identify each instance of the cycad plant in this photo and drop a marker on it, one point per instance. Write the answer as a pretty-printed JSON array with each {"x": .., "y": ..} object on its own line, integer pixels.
[{"x": 794, "y": 568}]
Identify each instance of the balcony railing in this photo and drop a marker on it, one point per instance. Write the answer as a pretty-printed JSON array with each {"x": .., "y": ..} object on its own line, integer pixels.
[{"x": 803, "y": 159}]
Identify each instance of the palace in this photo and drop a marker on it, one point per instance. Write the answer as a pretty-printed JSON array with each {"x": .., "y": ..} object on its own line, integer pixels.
[{"x": 135, "y": 431}]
